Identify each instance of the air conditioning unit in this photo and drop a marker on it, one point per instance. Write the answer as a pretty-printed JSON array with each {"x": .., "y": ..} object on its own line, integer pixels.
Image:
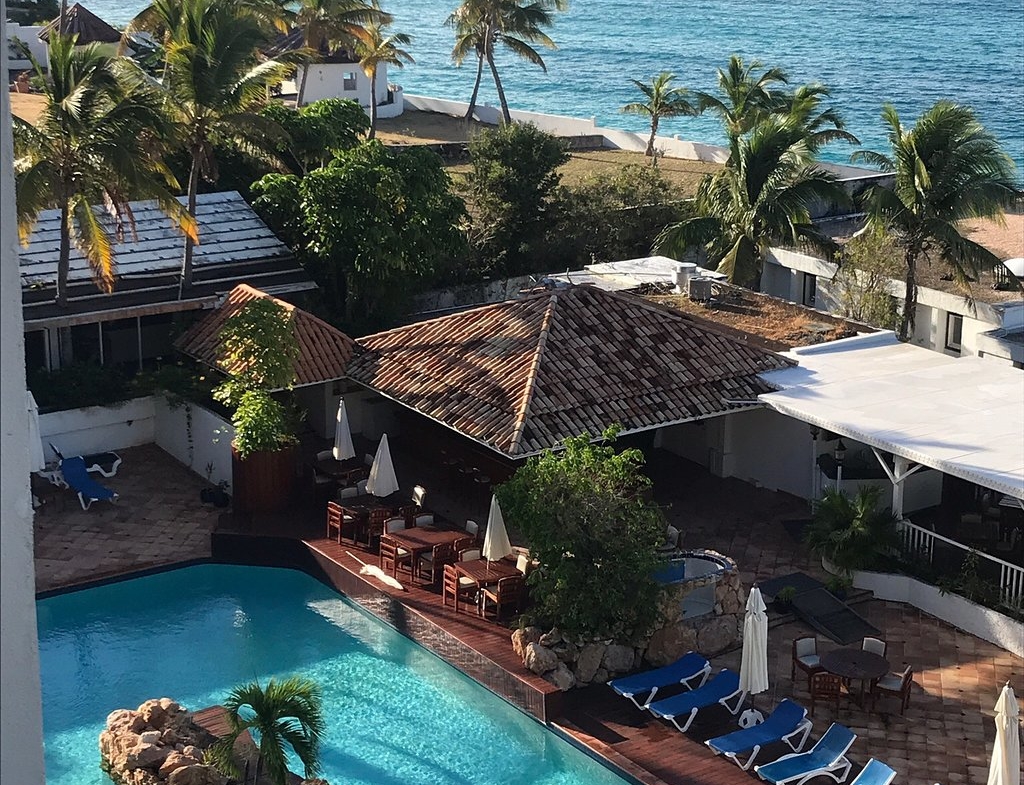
[{"x": 699, "y": 289}]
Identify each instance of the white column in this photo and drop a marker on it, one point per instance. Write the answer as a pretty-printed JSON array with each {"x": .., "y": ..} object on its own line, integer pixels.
[
  {"x": 900, "y": 466},
  {"x": 21, "y": 720}
]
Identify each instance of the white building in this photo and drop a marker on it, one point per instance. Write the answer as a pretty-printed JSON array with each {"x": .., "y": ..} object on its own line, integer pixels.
[{"x": 21, "y": 724}]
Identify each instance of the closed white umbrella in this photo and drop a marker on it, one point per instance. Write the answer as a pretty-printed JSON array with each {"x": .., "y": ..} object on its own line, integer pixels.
[
  {"x": 1005, "y": 766},
  {"x": 382, "y": 480},
  {"x": 754, "y": 663},
  {"x": 343, "y": 449},
  {"x": 496, "y": 544},
  {"x": 36, "y": 458}
]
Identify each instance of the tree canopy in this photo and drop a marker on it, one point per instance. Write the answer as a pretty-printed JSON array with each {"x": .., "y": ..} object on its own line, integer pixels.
[{"x": 587, "y": 520}]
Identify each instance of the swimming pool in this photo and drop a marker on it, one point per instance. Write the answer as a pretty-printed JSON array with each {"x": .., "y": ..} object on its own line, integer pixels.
[{"x": 396, "y": 714}]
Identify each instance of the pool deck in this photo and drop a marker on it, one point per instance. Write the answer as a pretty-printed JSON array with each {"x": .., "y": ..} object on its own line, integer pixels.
[{"x": 946, "y": 736}]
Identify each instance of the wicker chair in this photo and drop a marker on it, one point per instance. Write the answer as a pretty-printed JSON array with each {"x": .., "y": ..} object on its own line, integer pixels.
[
  {"x": 508, "y": 593},
  {"x": 896, "y": 684},
  {"x": 805, "y": 657},
  {"x": 826, "y": 687}
]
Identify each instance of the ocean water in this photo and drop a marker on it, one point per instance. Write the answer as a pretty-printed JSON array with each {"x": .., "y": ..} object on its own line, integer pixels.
[
  {"x": 395, "y": 714},
  {"x": 910, "y": 54}
]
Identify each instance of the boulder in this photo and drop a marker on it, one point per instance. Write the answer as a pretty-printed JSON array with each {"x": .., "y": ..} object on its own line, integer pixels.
[
  {"x": 522, "y": 638},
  {"x": 174, "y": 762},
  {"x": 670, "y": 643},
  {"x": 146, "y": 756},
  {"x": 589, "y": 661},
  {"x": 196, "y": 774},
  {"x": 602, "y": 676},
  {"x": 717, "y": 635},
  {"x": 191, "y": 751},
  {"x": 618, "y": 658},
  {"x": 125, "y": 720},
  {"x": 150, "y": 737},
  {"x": 551, "y": 639},
  {"x": 566, "y": 651},
  {"x": 539, "y": 659},
  {"x": 153, "y": 713},
  {"x": 561, "y": 677}
]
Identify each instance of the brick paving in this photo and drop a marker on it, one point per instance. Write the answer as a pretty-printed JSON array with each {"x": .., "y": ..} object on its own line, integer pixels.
[{"x": 947, "y": 733}]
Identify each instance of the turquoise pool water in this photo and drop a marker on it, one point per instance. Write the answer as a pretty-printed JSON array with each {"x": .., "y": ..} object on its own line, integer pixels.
[{"x": 397, "y": 715}]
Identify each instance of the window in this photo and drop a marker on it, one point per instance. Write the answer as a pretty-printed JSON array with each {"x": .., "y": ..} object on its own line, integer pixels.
[
  {"x": 348, "y": 83},
  {"x": 954, "y": 331},
  {"x": 810, "y": 289}
]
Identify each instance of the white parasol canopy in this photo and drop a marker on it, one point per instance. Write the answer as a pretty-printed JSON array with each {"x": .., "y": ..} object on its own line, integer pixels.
[
  {"x": 1005, "y": 766},
  {"x": 36, "y": 458},
  {"x": 382, "y": 480},
  {"x": 343, "y": 449},
  {"x": 754, "y": 663},
  {"x": 496, "y": 544}
]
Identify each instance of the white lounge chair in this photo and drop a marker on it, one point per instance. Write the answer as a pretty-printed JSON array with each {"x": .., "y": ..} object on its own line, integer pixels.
[
  {"x": 787, "y": 723},
  {"x": 681, "y": 710},
  {"x": 827, "y": 757},
  {"x": 691, "y": 670}
]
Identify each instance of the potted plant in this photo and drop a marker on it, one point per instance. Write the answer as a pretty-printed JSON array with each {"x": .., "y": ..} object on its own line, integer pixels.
[
  {"x": 839, "y": 585},
  {"x": 258, "y": 354},
  {"x": 852, "y": 532},
  {"x": 784, "y": 599}
]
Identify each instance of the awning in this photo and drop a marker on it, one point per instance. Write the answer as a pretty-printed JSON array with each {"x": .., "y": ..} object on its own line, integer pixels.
[{"x": 962, "y": 416}]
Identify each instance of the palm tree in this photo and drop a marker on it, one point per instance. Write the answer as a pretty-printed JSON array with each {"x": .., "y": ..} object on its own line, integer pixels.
[
  {"x": 480, "y": 25},
  {"x": 822, "y": 126},
  {"x": 213, "y": 84},
  {"x": 99, "y": 140},
  {"x": 377, "y": 48},
  {"x": 328, "y": 24},
  {"x": 947, "y": 168},
  {"x": 852, "y": 533},
  {"x": 746, "y": 94},
  {"x": 663, "y": 100},
  {"x": 762, "y": 196},
  {"x": 285, "y": 713}
]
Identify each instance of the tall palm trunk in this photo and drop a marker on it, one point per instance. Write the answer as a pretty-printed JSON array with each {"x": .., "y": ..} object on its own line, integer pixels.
[
  {"x": 650, "y": 142},
  {"x": 64, "y": 254},
  {"x": 910, "y": 298},
  {"x": 506, "y": 116},
  {"x": 373, "y": 105},
  {"x": 185, "y": 285},
  {"x": 476, "y": 84}
]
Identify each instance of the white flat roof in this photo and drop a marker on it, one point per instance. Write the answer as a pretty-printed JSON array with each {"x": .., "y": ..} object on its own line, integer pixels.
[
  {"x": 963, "y": 416},
  {"x": 631, "y": 273}
]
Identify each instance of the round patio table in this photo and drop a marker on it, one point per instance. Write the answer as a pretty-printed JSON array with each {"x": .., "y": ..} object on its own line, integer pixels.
[{"x": 858, "y": 664}]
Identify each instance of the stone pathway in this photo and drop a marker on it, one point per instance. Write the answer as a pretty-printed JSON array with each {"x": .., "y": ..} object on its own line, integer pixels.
[{"x": 157, "y": 520}]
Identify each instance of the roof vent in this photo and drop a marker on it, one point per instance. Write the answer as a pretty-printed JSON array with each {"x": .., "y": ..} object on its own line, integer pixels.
[{"x": 684, "y": 272}]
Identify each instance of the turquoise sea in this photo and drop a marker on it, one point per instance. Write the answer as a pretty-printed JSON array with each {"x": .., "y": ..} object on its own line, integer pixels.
[{"x": 868, "y": 52}]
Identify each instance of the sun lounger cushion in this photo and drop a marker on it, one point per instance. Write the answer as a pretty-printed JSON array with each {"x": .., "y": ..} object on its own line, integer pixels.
[
  {"x": 722, "y": 688},
  {"x": 875, "y": 773},
  {"x": 828, "y": 756},
  {"x": 78, "y": 479},
  {"x": 685, "y": 670},
  {"x": 789, "y": 719}
]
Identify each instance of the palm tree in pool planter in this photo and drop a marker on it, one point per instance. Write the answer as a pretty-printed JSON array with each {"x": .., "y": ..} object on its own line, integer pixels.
[
  {"x": 283, "y": 714},
  {"x": 947, "y": 168},
  {"x": 663, "y": 100},
  {"x": 373, "y": 50},
  {"x": 763, "y": 195}
]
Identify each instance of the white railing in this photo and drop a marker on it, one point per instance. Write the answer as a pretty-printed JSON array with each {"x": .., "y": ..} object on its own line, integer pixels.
[{"x": 920, "y": 542}]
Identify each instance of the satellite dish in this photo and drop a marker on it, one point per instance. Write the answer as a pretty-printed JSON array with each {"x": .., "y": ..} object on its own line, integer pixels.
[{"x": 1015, "y": 266}]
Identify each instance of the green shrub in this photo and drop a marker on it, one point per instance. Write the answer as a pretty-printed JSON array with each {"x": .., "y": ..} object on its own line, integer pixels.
[
  {"x": 81, "y": 384},
  {"x": 852, "y": 533}
]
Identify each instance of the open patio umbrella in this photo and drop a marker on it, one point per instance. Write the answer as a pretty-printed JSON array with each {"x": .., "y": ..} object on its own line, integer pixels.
[
  {"x": 754, "y": 663},
  {"x": 496, "y": 544},
  {"x": 1005, "y": 766},
  {"x": 36, "y": 458},
  {"x": 343, "y": 449},
  {"x": 382, "y": 480}
]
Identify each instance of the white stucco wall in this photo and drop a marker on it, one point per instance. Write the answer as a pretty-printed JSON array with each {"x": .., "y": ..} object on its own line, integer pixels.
[
  {"x": 769, "y": 449},
  {"x": 326, "y": 80},
  {"x": 99, "y": 428},
  {"x": 21, "y": 723},
  {"x": 204, "y": 445},
  {"x": 28, "y": 35}
]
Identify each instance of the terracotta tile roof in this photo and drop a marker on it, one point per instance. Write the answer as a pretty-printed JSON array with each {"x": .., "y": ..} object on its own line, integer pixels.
[
  {"x": 82, "y": 22},
  {"x": 324, "y": 351},
  {"x": 522, "y": 375}
]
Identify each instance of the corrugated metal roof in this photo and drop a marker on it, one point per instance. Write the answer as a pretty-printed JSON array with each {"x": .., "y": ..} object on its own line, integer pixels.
[
  {"x": 324, "y": 351},
  {"x": 522, "y": 375},
  {"x": 229, "y": 232}
]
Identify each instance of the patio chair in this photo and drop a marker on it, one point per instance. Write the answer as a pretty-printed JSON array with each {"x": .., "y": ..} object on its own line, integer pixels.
[
  {"x": 805, "y": 657},
  {"x": 105, "y": 463},
  {"x": 896, "y": 684},
  {"x": 788, "y": 723},
  {"x": 409, "y": 513},
  {"x": 826, "y": 687},
  {"x": 348, "y": 493},
  {"x": 76, "y": 477},
  {"x": 375, "y": 524},
  {"x": 671, "y": 544},
  {"x": 874, "y": 645},
  {"x": 875, "y": 773},
  {"x": 507, "y": 593},
  {"x": 458, "y": 588},
  {"x": 473, "y": 529},
  {"x": 691, "y": 670},
  {"x": 392, "y": 525},
  {"x": 828, "y": 756},
  {"x": 423, "y": 519},
  {"x": 361, "y": 487},
  {"x": 462, "y": 543},
  {"x": 523, "y": 564},
  {"x": 469, "y": 554},
  {"x": 434, "y": 560},
  {"x": 720, "y": 690},
  {"x": 394, "y": 556}
]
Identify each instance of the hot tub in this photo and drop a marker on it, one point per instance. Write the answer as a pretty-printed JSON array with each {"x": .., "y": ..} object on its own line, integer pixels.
[{"x": 694, "y": 567}]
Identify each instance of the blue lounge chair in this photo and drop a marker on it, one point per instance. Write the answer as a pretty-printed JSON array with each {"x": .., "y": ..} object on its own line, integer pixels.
[
  {"x": 105, "y": 463},
  {"x": 875, "y": 773},
  {"x": 722, "y": 689},
  {"x": 77, "y": 478},
  {"x": 787, "y": 723},
  {"x": 690, "y": 670},
  {"x": 828, "y": 756}
]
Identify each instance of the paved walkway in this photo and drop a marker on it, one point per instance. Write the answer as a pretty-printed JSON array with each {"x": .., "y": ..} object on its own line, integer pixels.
[{"x": 945, "y": 737}]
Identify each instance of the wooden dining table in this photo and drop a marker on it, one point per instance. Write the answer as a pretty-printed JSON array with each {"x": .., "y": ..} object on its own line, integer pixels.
[
  {"x": 856, "y": 664},
  {"x": 420, "y": 539},
  {"x": 486, "y": 573}
]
